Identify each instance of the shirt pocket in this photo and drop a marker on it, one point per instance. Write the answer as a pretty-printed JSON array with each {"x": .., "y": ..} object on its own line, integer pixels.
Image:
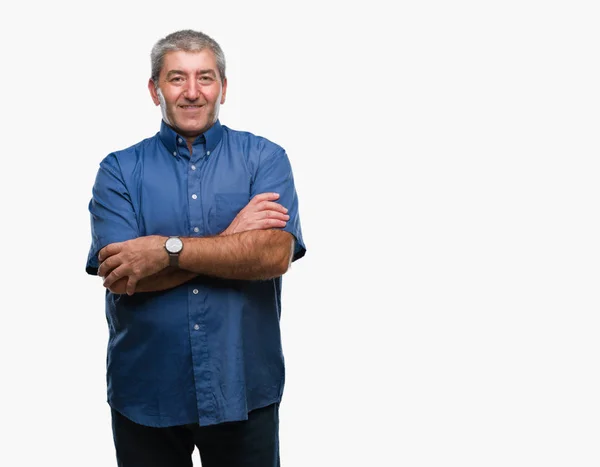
[{"x": 227, "y": 206}]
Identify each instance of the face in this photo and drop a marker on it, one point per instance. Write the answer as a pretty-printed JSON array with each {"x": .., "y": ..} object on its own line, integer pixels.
[{"x": 189, "y": 91}]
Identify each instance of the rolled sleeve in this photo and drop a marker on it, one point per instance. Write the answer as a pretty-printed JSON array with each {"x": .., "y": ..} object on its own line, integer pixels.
[
  {"x": 275, "y": 175},
  {"x": 112, "y": 214}
]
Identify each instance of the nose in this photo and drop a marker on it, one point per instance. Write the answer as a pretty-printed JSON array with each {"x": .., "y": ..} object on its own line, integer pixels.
[{"x": 192, "y": 90}]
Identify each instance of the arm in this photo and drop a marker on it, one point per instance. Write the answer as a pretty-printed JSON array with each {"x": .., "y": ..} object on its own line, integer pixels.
[
  {"x": 259, "y": 214},
  {"x": 112, "y": 214},
  {"x": 252, "y": 255},
  {"x": 168, "y": 278}
]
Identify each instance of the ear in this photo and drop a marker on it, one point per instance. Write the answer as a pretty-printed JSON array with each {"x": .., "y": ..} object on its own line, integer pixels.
[
  {"x": 153, "y": 93},
  {"x": 224, "y": 91}
]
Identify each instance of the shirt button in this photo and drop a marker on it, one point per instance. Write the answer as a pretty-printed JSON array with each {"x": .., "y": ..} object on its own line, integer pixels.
[
  {"x": 180, "y": 140},
  {"x": 194, "y": 196},
  {"x": 193, "y": 167},
  {"x": 196, "y": 229},
  {"x": 174, "y": 153},
  {"x": 195, "y": 291},
  {"x": 208, "y": 153},
  {"x": 196, "y": 327}
]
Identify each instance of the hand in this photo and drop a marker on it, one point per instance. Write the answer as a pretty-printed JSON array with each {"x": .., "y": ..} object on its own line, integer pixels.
[
  {"x": 132, "y": 259},
  {"x": 260, "y": 213}
]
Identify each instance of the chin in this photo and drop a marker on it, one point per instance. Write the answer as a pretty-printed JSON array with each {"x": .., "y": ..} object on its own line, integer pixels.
[
  {"x": 191, "y": 128},
  {"x": 196, "y": 130}
]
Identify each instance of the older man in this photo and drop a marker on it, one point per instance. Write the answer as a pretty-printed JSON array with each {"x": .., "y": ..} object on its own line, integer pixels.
[{"x": 192, "y": 230}]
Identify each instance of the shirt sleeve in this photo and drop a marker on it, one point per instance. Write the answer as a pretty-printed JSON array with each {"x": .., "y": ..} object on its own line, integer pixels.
[
  {"x": 112, "y": 214},
  {"x": 274, "y": 174}
]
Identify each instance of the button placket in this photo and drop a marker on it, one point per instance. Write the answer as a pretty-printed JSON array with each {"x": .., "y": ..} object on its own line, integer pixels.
[{"x": 194, "y": 192}]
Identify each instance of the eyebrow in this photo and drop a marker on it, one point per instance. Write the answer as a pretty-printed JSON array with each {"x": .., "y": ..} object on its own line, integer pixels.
[{"x": 208, "y": 71}]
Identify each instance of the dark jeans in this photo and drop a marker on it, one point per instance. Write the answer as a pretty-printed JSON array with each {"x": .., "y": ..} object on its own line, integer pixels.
[{"x": 251, "y": 443}]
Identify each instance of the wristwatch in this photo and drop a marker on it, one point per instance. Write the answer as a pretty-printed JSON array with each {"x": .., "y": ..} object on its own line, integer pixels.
[{"x": 174, "y": 245}]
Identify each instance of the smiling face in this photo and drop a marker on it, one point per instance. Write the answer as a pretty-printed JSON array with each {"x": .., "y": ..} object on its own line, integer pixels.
[{"x": 189, "y": 91}]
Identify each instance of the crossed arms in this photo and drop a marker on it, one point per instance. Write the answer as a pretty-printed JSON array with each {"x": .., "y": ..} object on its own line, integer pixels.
[{"x": 251, "y": 248}]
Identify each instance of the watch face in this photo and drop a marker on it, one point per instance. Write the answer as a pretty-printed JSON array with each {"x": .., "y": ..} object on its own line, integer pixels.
[{"x": 174, "y": 245}]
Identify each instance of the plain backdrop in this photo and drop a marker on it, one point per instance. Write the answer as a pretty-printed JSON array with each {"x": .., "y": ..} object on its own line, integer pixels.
[{"x": 446, "y": 158}]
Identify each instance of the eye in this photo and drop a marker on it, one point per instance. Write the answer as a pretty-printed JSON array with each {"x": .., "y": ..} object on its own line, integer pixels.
[
  {"x": 176, "y": 79},
  {"x": 206, "y": 79}
]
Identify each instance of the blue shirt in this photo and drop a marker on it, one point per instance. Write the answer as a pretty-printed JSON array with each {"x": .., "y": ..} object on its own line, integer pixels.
[{"x": 207, "y": 351}]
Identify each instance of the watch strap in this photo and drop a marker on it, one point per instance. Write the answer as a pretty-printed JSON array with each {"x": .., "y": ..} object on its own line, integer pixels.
[{"x": 174, "y": 259}]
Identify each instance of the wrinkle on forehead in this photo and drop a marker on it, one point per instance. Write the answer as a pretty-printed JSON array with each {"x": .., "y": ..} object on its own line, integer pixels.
[{"x": 196, "y": 62}]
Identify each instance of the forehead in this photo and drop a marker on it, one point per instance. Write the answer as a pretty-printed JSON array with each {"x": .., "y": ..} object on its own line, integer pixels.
[{"x": 189, "y": 62}]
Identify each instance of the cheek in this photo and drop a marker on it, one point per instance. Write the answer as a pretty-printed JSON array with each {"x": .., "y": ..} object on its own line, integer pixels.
[
  {"x": 171, "y": 101},
  {"x": 215, "y": 95},
  {"x": 169, "y": 98}
]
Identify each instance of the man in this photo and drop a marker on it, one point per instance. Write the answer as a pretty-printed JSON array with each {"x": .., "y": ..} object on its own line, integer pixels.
[{"x": 192, "y": 230}]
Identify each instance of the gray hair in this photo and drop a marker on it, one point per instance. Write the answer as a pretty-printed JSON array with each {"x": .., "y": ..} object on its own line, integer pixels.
[{"x": 188, "y": 41}]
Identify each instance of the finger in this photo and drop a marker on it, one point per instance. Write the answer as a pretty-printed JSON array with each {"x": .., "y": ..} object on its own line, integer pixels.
[
  {"x": 108, "y": 265},
  {"x": 131, "y": 284},
  {"x": 271, "y": 224},
  {"x": 272, "y": 206},
  {"x": 115, "y": 275},
  {"x": 119, "y": 286},
  {"x": 109, "y": 250},
  {"x": 265, "y": 197},
  {"x": 274, "y": 215}
]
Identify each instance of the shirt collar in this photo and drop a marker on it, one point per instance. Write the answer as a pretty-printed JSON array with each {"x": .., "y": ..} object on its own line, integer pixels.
[{"x": 212, "y": 137}]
